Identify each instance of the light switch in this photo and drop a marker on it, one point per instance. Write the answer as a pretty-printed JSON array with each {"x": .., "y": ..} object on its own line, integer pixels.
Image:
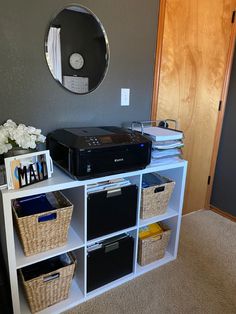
[{"x": 125, "y": 93}]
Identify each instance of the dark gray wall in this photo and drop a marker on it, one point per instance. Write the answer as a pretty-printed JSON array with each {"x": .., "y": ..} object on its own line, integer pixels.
[
  {"x": 29, "y": 94},
  {"x": 224, "y": 193}
]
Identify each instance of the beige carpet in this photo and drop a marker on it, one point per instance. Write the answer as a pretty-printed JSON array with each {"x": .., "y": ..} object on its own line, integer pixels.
[{"x": 202, "y": 279}]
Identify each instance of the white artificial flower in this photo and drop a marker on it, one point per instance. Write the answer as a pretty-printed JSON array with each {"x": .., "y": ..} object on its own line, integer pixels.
[
  {"x": 33, "y": 137},
  {"x": 3, "y": 134},
  {"x": 21, "y": 135},
  {"x": 22, "y": 139},
  {"x": 4, "y": 145},
  {"x": 10, "y": 124},
  {"x": 37, "y": 131},
  {"x": 31, "y": 130},
  {"x": 4, "y": 148},
  {"x": 22, "y": 127},
  {"x": 41, "y": 138}
]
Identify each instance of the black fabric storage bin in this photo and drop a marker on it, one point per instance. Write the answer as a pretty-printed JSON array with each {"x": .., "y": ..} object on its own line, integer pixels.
[
  {"x": 113, "y": 259},
  {"x": 111, "y": 211}
]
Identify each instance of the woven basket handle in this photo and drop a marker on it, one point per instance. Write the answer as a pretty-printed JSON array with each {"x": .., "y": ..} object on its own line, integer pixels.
[
  {"x": 47, "y": 217},
  {"x": 51, "y": 277},
  {"x": 159, "y": 189}
]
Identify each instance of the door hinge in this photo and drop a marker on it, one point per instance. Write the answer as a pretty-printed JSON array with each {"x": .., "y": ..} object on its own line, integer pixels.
[
  {"x": 220, "y": 104},
  {"x": 233, "y": 16},
  {"x": 209, "y": 180}
]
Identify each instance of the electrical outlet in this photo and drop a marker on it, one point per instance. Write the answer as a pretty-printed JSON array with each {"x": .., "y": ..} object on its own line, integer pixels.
[{"x": 125, "y": 93}]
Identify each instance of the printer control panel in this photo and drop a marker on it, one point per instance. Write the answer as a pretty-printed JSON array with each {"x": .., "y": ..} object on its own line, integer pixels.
[{"x": 93, "y": 141}]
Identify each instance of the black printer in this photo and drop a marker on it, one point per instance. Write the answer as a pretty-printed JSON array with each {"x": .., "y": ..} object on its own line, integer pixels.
[{"x": 98, "y": 151}]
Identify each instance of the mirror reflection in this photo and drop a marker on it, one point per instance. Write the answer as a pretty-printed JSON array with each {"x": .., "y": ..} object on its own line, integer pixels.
[{"x": 77, "y": 49}]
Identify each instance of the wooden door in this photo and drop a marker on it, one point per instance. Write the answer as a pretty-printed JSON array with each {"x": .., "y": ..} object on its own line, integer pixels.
[{"x": 195, "y": 45}]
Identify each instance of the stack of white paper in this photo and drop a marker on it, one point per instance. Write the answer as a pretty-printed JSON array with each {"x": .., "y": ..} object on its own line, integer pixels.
[
  {"x": 161, "y": 134},
  {"x": 165, "y": 153},
  {"x": 166, "y": 143},
  {"x": 166, "y": 160}
]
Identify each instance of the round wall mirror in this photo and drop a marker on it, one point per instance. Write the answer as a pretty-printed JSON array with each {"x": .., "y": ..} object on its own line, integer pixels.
[{"x": 77, "y": 50}]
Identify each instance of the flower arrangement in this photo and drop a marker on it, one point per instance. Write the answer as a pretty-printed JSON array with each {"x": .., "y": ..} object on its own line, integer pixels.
[{"x": 21, "y": 136}]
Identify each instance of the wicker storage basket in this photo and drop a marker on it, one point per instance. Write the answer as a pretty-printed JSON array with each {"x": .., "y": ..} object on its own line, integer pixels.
[
  {"x": 49, "y": 288},
  {"x": 155, "y": 199},
  {"x": 37, "y": 236},
  {"x": 153, "y": 248}
]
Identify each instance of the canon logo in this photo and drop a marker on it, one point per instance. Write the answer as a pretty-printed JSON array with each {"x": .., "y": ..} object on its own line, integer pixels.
[{"x": 118, "y": 160}]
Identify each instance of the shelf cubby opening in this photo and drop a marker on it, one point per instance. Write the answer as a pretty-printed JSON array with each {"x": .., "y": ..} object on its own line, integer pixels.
[
  {"x": 75, "y": 238},
  {"x": 173, "y": 224},
  {"x": 76, "y": 293},
  {"x": 118, "y": 261},
  {"x": 176, "y": 175},
  {"x": 109, "y": 212}
]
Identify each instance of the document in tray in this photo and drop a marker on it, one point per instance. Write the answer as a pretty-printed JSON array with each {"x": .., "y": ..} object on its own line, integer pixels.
[
  {"x": 168, "y": 144},
  {"x": 165, "y": 153},
  {"x": 108, "y": 185},
  {"x": 161, "y": 134},
  {"x": 166, "y": 160}
]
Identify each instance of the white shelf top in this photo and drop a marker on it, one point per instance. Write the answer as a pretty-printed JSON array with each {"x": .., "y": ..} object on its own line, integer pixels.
[
  {"x": 60, "y": 180},
  {"x": 169, "y": 214},
  {"x": 110, "y": 235},
  {"x": 74, "y": 242}
]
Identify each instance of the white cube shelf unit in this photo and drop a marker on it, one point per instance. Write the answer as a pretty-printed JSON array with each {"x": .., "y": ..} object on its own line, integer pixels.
[{"x": 76, "y": 191}]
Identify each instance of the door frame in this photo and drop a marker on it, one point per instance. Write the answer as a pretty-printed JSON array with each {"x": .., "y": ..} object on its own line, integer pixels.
[{"x": 157, "y": 65}]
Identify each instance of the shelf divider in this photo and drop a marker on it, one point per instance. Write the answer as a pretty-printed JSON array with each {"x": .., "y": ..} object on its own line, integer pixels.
[{"x": 110, "y": 235}]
